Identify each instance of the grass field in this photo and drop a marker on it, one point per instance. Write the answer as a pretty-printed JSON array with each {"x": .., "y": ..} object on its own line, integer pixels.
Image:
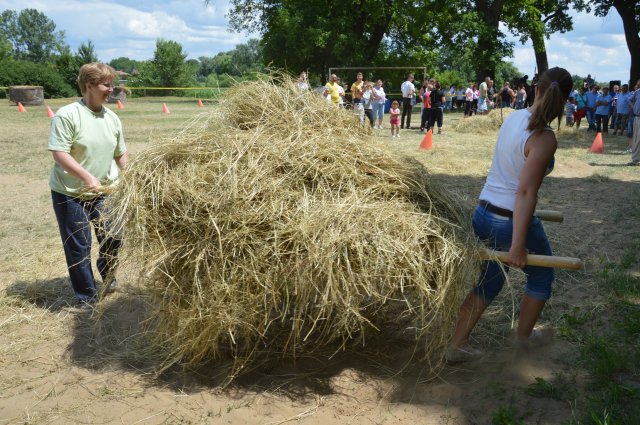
[{"x": 60, "y": 367}]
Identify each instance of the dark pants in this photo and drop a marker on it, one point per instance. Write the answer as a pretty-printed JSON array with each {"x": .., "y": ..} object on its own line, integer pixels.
[
  {"x": 436, "y": 116},
  {"x": 407, "y": 107},
  {"x": 467, "y": 108},
  {"x": 425, "y": 117},
  {"x": 602, "y": 123},
  {"x": 74, "y": 222},
  {"x": 369, "y": 114}
]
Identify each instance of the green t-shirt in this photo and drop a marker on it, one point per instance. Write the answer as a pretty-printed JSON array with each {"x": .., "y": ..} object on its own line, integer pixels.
[{"x": 93, "y": 139}]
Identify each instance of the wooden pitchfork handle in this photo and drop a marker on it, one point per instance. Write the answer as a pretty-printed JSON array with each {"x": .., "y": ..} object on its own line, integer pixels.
[
  {"x": 569, "y": 263},
  {"x": 549, "y": 215}
]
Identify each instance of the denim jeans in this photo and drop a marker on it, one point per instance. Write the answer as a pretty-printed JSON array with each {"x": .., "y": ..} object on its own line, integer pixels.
[
  {"x": 378, "y": 111},
  {"x": 591, "y": 118},
  {"x": 496, "y": 231},
  {"x": 75, "y": 217}
]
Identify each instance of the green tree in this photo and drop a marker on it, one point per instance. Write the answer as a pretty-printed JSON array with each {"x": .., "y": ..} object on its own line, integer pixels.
[
  {"x": 168, "y": 67},
  {"x": 301, "y": 34},
  {"x": 629, "y": 11},
  {"x": 32, "y": 35},
  {"x": 536, "y": 20},
  {"x": 125, "y": 64},
  {"x": 86, "y": 53}
]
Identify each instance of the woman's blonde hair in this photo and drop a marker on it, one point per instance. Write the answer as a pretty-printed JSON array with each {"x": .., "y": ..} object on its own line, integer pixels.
[
  {"x": 94, "y": 73},
  {"x": 553, "y": 87}
]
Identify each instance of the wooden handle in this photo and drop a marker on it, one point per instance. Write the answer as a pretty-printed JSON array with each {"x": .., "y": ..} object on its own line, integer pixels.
[
  {"x": 549, "y": 215},
  {"x": 536, "y": 260}
]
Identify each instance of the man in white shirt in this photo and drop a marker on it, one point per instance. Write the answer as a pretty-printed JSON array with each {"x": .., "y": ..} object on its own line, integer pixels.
[{"x": 408, "y": 93}]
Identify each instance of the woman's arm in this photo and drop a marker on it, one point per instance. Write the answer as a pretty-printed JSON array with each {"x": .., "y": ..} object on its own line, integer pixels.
[
  {"x": 539, "y": 150},
  {"x": 71, "y": 166},
  {"x": 122, "y": 160}
]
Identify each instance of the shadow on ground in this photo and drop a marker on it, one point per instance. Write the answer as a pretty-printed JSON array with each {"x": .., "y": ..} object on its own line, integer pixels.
[{"x": 113, "y": 335}]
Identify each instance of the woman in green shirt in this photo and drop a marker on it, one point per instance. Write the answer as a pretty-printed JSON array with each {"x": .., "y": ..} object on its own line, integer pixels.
[{"x": 88, "y": 148}]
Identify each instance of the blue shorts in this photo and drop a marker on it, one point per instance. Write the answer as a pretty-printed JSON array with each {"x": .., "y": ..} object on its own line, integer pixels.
[{"x": 496, "y": 232}]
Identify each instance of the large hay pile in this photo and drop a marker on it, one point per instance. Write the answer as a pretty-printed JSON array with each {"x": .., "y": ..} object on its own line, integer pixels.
[{"x": 277, "y": 226}]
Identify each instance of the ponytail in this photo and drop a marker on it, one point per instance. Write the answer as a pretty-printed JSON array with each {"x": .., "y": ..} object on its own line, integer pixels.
[{"x": 553, "y": 88}]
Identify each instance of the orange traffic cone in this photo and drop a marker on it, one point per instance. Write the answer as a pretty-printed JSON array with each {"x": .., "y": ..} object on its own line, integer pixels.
[
  {"x": 165, "y": 110},
  {"x": 597, "y": 146},
  {"x": 50, "y": 113},
  {"x": 21, "y": 108},
  {"x": 427, "y": 142},
  {"x": 200, "y": 103},
  {"x": 120, "y": 105}
]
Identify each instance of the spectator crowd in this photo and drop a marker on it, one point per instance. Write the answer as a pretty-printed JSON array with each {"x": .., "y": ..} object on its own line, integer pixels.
[{"x": 603, "y": 108}]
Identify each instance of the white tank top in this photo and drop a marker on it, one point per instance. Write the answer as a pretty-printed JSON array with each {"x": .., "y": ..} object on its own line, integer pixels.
[{"x": 508, "y": 159}]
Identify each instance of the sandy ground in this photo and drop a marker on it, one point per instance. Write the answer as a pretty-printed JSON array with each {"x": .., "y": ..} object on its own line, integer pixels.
[{"x": 59, "y": 368}]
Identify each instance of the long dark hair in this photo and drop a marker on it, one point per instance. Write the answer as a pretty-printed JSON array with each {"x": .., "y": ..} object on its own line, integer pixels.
[{"x": 554, "y": 86}]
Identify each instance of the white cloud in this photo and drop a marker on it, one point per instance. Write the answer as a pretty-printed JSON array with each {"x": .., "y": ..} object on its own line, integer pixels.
[
  {"x": 596, "y": 46},
  {"x": 130, "y": 28}
]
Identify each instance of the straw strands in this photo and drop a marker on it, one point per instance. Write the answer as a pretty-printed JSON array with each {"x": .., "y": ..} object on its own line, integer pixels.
[{"x": 277, "y": 226}]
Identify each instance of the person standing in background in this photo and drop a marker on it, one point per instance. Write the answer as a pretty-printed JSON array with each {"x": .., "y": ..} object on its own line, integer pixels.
[
  {"x": 483, "y": 100},
  {"x": 437, "y": 101},
  {"x": 302, "y": 83},
  {"x": 622, "y": 110},
  {"x": 592, "y": 95},
  {"x": 379, "y": 99},
  {"x": 581, "y": 105},
  {"x": 332, "y": 90},
  {"x": 635, "y": 142},
  {"x": 602, "y": 111},
  {"x": 408, "y": 96},
  {"x": 356, "y": 97}
]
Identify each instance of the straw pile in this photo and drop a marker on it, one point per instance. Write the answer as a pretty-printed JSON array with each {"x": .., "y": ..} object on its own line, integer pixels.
[
  {"x": 483, "y": 124},
  {"x": 277, "y": 226}
]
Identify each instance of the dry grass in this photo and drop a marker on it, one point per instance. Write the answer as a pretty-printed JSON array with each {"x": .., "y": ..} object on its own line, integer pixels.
[
  {"x": 280, "y": 227},
  {"x": 62, "y": 369}
]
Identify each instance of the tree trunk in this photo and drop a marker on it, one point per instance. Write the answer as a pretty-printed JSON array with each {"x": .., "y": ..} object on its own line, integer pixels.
[
  {"x": 626, "y": 9},
  {"x": 490, "y": 13},
  {"x": 378, "y": 31},
  {"x": 540, "y": 51}
]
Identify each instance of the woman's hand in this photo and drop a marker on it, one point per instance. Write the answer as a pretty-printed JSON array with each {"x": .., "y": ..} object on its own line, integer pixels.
[
  {"x": 91, "y": 183},
  {"x": 517, "y": 257}
]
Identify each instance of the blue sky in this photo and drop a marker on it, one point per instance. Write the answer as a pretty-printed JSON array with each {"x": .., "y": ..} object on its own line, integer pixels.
[{"x": 129, "y": 28}]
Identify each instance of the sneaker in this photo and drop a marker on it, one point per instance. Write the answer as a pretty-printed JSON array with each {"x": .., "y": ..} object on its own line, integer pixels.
[
  {"x": 539, "y": 337},
  {"x": 633, "y": 163},
  {"x": 462, "y": 354},
  {"x": 627, "y": 151}
]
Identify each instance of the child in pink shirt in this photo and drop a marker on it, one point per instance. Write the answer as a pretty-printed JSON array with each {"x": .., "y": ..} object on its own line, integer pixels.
[{"x": 395, "y": 119}]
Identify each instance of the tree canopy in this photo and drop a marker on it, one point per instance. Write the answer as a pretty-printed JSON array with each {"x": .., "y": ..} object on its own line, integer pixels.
[{"x": 32, "y": 35}]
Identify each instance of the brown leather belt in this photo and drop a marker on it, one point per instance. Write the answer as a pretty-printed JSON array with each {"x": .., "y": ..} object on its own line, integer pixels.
[{"x": 496, "y": 210}]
